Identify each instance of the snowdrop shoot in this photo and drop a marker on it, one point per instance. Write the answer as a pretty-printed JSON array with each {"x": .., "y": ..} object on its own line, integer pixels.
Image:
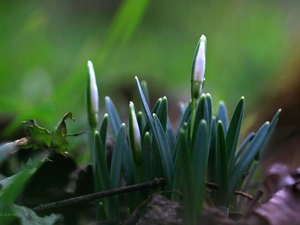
[{"x": 92, "y": 97}]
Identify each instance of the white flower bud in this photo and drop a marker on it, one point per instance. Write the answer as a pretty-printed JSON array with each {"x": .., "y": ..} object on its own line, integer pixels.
[{"x": 92, "y": 96}]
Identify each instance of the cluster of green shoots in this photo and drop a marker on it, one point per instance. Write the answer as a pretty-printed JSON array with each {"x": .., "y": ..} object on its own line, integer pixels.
[{"x": 201, "y": 148}]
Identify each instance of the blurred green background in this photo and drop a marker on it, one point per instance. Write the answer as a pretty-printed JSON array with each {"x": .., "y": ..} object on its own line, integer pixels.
[{"x": 45, "y": 45}]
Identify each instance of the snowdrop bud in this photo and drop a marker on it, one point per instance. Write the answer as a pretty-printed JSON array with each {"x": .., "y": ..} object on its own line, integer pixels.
[
  {"x": 92, "y": 97},
  {"x": 135, "y": 130},
  {"x": 198, "y": 68}
]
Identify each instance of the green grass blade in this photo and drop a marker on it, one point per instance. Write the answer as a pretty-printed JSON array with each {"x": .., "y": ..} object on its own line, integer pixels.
[
  {"x": 199, "y": 163},
  {"x": 247, "y": 157},
  {"x": 223, "y": 116},
  {"x": 233, "y": 132}
]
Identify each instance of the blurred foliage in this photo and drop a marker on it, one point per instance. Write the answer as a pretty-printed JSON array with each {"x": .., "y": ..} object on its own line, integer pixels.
[{"x": 44, "y": 48}]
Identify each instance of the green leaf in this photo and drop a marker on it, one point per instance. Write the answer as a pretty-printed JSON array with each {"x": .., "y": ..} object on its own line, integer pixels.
[
  {"x": 247, "y": 157},
  {"x": 162, "y": 113},
  {"x": 199, "y": 115},
  {"x": 29, "y": 217},
  {"x": 246, "y": 141},
  {"x": 102, "y": 171},
  {"x": 223, "y": 166},
  {"x": 199, "y": 163},
  {"x": 128, "y": 166},
  {"x": 116, "y": 163},
  {"x": 147, "y": 155},
  {"x": 154, "y": 110},
  {"x": 160, "y": 138},
  {"x": 223, "y": 116},
  {"x": 59, "y": 142},
  {"x": 141, "y": 122},
  {"x": 37, "y": 136},
  {"x": 164, "y": 151},
  {"x": 103, "y": 130},
  {"x": 12, "y": 186},
  {"x": 185, "y": 117},
  {"x": 145, "y": 90},
  {"x": 233, "y": 132},
  {"x": 114, "y": 117},
  {"x": 213, "y": 159},
  {"x": 170, "y": 135}
]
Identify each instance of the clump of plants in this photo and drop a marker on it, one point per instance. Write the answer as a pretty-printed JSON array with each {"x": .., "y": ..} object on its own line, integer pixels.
[{"x": 201, "y": 150}]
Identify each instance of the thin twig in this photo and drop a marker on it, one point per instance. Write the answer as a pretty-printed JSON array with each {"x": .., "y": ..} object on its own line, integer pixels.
[
  {"x": 246, "y": 196},
  {"x": 90, "y": 197},
  {"x": 212, "y": 185}
]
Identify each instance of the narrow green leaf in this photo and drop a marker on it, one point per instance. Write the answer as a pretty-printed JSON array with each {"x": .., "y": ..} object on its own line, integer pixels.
[
  {"x": 247, "y": 157},
  {"x": 146, "y": 171},
  {"x": 223, "y": 166},
  {"x": 185, "y": 117},
  {"x": 160, "y": 138},
  {"x": 213, "y": 159},
  {"x": 186, "y": 179},
  {"x": 199, "y": 115},
  {"x": 162, "y": 113},
  {"x": 128, "y": 166},
  {"x": 145, "y": 91},
  {"x": 154, "y": 110},
  {"x": 271, "y": 131},
  {"x": 165, "y": 153},
  {"x": 223, "y": 116},
  {"x": 109, "y": 203},
  {"x": 113, "y": 116},
  {"x": 141, "y": 122},
  {"x": 178, "y": 145},
  {"x": 199, "y": 163},
  {"x": 246, "y": 141},
  {"x": 233, "y": 133},
  {"x": 103, "y": 131},
  {"x": 170, "y": 135},
  {"x": 116, "y": 162}
]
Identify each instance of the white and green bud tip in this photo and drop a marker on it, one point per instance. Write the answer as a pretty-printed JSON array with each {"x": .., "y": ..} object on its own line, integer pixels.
[
  {"x": 134, "y": 134},
  {"x": 92, "y": 97},
  {"x": 198, "y": 67}
]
